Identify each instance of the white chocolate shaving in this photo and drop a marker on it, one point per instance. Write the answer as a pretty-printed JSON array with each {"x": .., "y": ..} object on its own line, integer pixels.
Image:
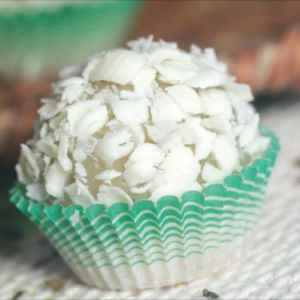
[
  {"x": 215, "y": 101},
  {"x": 146, "y": 152},
  {"x": 248, "y": 132},
  {"x": 114, "y": 146},
  {"x": 176, "y": 71},
  {"x": 181, "y": 167},
  {"x": 225, "y": 153},
  {"x": 130, "y": 112},
  {"x": 118, "y": 66},
  {"x": 75, "y": 218},
  {"x": 62, "y": 155},
  {"x": 144, "y": 78},
  {"x": 140, "y": 123},
  {"x": 239, "y": 92},
  {"x": 79, "y": 110},
  {"x": 164, "y": 108},
  {"x": 109, "y": 195},
  {"x": 186, "y": 97},
  {"x": 30, "y": 171},
  {"x": 218, "y": 125},
  {"x": 92, "y": 122},
  {"x": 258, "y": 146},
  {"x": 36, "y": 191},
  {"x": 205, "y": 144},
  {"x": 140, "y": 172},
  {"x": 211, "y": 174},
  {"x": 205, "y": 78},
  {"x": 55, "y": 180},
  {"x": 78, "y": 193},
  {"x": 50, "y": 108},
  {"x": 72, "y": 93},
  {"x": 108, "y": 175},
  {"x": 47, "y": 147}
]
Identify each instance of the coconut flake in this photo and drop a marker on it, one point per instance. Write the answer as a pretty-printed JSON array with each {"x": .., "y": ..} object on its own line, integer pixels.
[
  {"x": 188, "y": 136},
  {"x": 79, "y": 194},
  {"x": 57, "y": 122},
  {"x": 62, "y": 153},
  {"x": 48, "y": 147},
  {"x": 109, "y": 195},
  {"x": 75, "y": 218},
  {"x": 144, "y": 78},
  {"x": 137, "y": 133},
  {"x": 164, "y": 108},
  {"x": 138, "y": 173},
  {"x": 168, "y": 189},
  {"x": 108, "y": 174},
  {"x": 195, "y": 186},
  {"x": 192, "y": 122},
  {"x": 205, "y": 78},
  {"x": 205, "y": 144},
  {"x": 56, "y": 179},
  {"x": 243, "y": 111},
  {"x": 215, "y": 102},
  {"x": 211, "y": 174},
  {"x": 181, "y": 166},
  {"x": 113, "y": 146},
  {"x": 79, "y": 110},
  {"x": 146, "y": 152},
  {"x": 84, "y": 147},
  {"x": 118, "y": 66},
  {"x": 50, "y": 108},
  {"x": 29, "y": 165},
  {"x": 162, "y": 131},
  {"x": 187, "y": 98},
  {"x": 36, "y": 191},
  {"x": 217, "y": 124},
  {"x": 92, "y": 122},
  {"x": 74, "y": 80},
  {"x": 130, "y": 112},
  {"x": 248, "y": 132},
  {"x": 80, "y": 170},
  {"x": 141, "y": 189},
  {"x": 225, "y": 153},
  {"x": 176, "y": 71},
  {"x": 239, "y": 92},
  {"x": 258, "y": 145},
  {"x": 165, "y": 53},
  {"x": 72, "y": 93},
  {"x": 43, "y": 130}
]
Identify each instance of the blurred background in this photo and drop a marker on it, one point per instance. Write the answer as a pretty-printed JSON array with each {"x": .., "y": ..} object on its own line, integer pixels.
[{"x": 260, "y": 41}]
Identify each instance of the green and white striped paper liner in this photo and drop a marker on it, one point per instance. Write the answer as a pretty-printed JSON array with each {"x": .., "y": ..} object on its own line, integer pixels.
[{"x": 153, "y": 245}]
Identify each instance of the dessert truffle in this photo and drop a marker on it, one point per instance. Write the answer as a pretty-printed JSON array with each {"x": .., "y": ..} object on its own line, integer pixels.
[{"x": 140, "y": 122}]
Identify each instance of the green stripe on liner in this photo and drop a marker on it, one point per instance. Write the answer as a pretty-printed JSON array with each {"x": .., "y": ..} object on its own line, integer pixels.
[{"x": 151, "y": 232}]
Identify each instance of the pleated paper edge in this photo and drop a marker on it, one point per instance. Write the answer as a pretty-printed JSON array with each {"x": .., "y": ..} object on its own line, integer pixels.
[{"x": 143, "y": 246}]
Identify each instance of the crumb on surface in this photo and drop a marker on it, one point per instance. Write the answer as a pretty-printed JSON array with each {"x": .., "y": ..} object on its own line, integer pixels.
[
  {"x": 55, "y": 284},
  {"x": 209, "y": 294}
]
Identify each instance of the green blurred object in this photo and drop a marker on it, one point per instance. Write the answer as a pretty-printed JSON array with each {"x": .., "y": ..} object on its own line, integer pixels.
[
  {"x": 13, "y": 225},
  {"x": 40, "y": 39}
]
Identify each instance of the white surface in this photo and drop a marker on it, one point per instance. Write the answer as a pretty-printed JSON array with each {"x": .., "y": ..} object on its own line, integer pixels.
[{"x": 271, "y": 270}]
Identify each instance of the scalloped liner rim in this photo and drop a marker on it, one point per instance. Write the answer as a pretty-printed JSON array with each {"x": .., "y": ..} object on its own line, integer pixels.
[
  {"x": 145, "y": 245},
  {"x": 271, "y": 152}
]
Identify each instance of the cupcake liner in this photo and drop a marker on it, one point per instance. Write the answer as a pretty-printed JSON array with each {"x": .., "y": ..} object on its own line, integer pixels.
[
  {"x": 157, "y": 244},
  {"x": 41, "y": 39}
]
